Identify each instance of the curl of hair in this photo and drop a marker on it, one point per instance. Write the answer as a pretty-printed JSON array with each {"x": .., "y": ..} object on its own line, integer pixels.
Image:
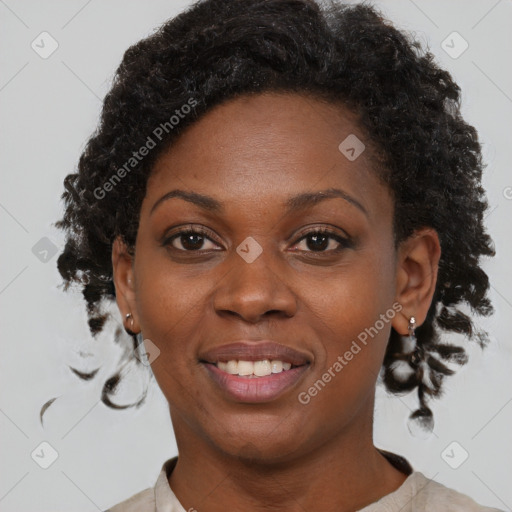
[{"x": 408, "y": 107}]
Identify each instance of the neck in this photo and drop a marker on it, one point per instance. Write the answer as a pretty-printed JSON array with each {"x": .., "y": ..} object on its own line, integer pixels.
[{"x": 345, "y": 473}]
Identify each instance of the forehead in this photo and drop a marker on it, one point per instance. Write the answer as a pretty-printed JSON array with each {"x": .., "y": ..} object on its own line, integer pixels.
[{"x": 254, "y": 147}]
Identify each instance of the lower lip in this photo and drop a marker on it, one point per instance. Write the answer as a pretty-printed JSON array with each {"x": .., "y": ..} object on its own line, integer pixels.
[{"x": 255, "y": 389}]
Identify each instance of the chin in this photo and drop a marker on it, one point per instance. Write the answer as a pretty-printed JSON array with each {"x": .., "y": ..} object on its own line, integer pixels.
[{"x": 266, "y": 442}]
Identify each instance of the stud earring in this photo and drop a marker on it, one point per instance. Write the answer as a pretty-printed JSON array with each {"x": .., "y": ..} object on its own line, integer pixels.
[
  {"x": 130, "y": 317},
  {"x": 411, "y": 326}
]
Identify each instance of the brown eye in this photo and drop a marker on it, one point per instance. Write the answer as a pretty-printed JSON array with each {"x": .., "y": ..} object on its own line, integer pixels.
[
  {"x": 191, "y": 241},
  {"x": 321, "y": 241}
]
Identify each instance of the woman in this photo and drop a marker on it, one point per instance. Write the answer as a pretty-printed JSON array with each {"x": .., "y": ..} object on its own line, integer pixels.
[{"x": 283, "y": 200}]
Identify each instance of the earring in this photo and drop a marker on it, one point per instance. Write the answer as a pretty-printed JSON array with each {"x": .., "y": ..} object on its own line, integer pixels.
[
  {"x": 414, "y": 351},
  {"x": 409, "y": 367},
  {"x": 421, "y": 421},
  {"x": 410, "y": 327},
  {"x": 129, "y": 331}
]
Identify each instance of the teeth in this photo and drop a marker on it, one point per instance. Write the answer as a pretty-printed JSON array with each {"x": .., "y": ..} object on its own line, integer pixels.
[
  {"x": 277, "y": 366},
  {"x": 232, "y": 367},
  {"x": 261, "y": 368},
  {"x": 223, "y": 366},
  {"x": 245, "y": 367}
]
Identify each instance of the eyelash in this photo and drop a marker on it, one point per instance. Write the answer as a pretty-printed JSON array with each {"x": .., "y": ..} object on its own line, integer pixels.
[{"x": 343, "y": 242}]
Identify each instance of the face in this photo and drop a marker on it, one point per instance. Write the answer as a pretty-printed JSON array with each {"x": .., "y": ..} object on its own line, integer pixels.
[{"x": 259, "y": 240}]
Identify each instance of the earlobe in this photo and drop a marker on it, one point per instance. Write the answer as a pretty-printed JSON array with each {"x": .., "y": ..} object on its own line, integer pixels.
[
  {"x": 417, "y": 265},
  {"x": 122, "y": 269}
]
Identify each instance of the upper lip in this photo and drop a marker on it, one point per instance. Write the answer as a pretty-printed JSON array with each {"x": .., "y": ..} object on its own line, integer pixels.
[{"x": 254, "y": 351}]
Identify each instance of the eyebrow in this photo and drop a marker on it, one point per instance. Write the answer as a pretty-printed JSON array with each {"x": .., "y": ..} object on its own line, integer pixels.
[
  {"x": 293, "y": 203},
  {"x": 205, "y": 202},
  {"x": 311, "y": 198}
]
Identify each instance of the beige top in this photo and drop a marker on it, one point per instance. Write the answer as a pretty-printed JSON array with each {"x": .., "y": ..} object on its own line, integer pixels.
[{"x": 416, "y": 494}]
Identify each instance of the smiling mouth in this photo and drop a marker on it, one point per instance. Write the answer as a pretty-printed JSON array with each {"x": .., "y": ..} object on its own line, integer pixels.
[
  {"x": 254, "y": 369},
  {"x": 255, "y": 381}
]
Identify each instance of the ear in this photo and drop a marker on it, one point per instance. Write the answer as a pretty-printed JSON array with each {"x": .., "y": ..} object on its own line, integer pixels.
[
  {"x": 416, "y": 277},
  {"x": 124, "y": 282}
]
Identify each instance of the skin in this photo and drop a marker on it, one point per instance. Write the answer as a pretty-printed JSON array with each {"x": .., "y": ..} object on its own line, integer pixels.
[{"x": 252, "y": 154}]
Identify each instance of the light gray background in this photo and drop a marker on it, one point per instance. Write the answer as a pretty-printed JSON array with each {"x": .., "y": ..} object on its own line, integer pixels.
[{"x": 48, "y": 108}]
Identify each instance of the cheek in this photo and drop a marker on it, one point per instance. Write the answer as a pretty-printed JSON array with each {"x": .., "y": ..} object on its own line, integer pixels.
[
  {"x": 348, "y": 319},
  {"x": 354, "y": 295},
  {"x": 171, "y": 309},
  {"x": 352, "y": 313},
  {"x": 167, "y": 297}
]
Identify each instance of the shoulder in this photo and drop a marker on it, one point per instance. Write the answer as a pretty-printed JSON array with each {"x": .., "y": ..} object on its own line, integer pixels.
[
  {"x": 143, "y": 501},
  {"x": 149, "y": 499},
  {"x": 430, "y": 496}
]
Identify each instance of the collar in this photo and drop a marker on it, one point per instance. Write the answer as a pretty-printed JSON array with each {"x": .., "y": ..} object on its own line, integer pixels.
[{"x": 165, "y": 499}]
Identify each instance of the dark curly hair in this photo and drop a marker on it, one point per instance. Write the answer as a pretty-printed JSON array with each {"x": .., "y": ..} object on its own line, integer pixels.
[{"x": 346, "y": 54}]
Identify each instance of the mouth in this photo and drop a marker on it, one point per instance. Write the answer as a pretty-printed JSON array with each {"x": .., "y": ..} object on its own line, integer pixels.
[
  {"x": 254, "y": 372},
  {"x": 246, "y": 386},
  {"x": 254, "y": 369}
]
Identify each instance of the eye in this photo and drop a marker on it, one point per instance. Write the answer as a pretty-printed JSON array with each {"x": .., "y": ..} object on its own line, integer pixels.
[
  {"x": 191, "y": 240},
  {"x": 321, "y": 240},
  {"x": 197, "y": 240}
]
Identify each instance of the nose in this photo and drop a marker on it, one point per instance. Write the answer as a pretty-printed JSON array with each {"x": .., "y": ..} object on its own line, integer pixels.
[{"x": 254, "y": 291}]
